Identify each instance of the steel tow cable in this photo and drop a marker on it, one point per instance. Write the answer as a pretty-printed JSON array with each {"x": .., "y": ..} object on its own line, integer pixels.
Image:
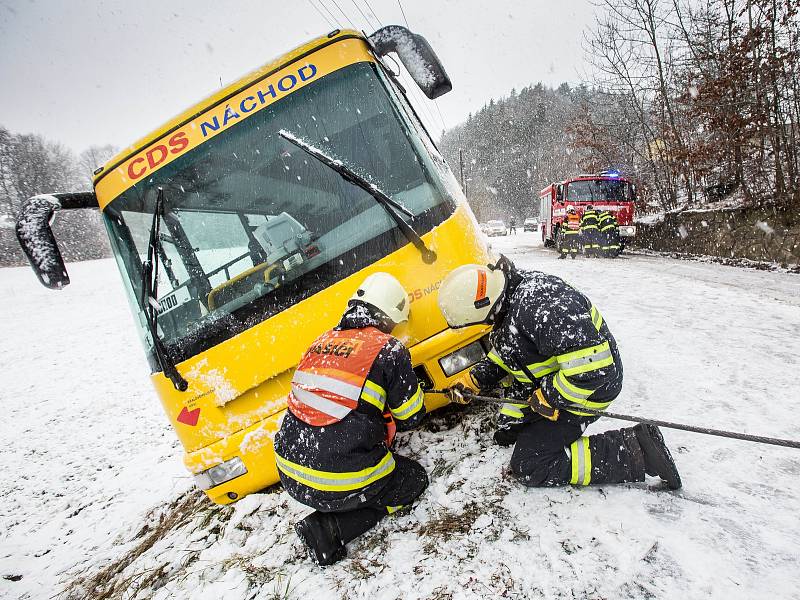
[{"x": 668, "y": 424}]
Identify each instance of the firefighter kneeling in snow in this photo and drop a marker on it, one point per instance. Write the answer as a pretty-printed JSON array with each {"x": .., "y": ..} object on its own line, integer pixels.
[
  {"x": 562, "y": 356},
  {"x": 352, "y": 389}
]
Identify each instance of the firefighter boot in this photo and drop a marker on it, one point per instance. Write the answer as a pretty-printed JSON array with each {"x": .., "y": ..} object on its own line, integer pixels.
[
  {"x": 657, "y": 458},
  {"x": 506, "y": 435},
  {"x": 320, "y": 533},
  {"x": 354, "y": 523}
]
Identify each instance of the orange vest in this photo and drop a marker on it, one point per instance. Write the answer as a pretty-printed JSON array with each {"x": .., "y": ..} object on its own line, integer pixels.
[
  {"x": 328, "y": 381},
  {"x": 573, "y": 222}
]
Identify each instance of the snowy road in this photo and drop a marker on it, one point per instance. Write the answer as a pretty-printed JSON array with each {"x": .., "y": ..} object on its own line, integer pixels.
[{"x": 88, "y": 452}]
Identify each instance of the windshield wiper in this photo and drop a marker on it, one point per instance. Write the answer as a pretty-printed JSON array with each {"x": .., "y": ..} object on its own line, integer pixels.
[
  {"x": 392, "y": 207},
  {"x": 150, "y": 296}
]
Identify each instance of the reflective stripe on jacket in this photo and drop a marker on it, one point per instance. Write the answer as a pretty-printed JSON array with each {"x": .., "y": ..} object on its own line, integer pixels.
[
  {"x": 331, "y": 467},
  {"x": 331, "y": 375},
  {"x": 607, "y": 221},
  {"x": 329, "y": 481},
  {"x": 552, "y": 337},
  {"x": 589, "y": 220},
  {"x": 572, "y": 225}
]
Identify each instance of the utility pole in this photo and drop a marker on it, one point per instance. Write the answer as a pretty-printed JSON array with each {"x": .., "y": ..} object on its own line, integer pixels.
[{"x": 463, "y": 181}]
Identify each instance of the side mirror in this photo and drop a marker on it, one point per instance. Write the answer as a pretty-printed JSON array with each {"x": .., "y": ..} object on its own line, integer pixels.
[
  {"x": 36, "y": 238},
  {"x": 416, "y": 55},
  {"x": 560, "y": 193}
]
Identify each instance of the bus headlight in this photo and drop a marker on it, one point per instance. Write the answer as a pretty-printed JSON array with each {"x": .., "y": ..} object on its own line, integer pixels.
[
  {"x": 221, "y": 473},
  {"x": 627, "y": 230},
  {"x": 462, "y": 358}
]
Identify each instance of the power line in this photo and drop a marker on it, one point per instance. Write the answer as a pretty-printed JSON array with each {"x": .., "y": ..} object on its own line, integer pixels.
[
  {"x": 336, "y": 4},
  {"x": 420, "y": 100},
  {"x": 327, "y": 10},
  {"x": 441, "y": 117},
  {"x": 369, "y": 25},
  {"x": 372, "y": 11},
  {"x": 403, "y": 13},
  {"x": 321, "y": 14},
  {"x": 436, "y": 104},
  {"x": 419, "y": 97}
]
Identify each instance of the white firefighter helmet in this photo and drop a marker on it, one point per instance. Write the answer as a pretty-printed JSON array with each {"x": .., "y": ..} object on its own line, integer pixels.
[
  {"x": 470, "y": 293},
  {"x": 570, "y": 209},
  {"x": 385, "y": 293}
]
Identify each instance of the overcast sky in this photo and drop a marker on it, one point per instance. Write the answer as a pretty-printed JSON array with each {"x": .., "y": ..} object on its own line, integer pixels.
[{"x": 110, "y": 71}]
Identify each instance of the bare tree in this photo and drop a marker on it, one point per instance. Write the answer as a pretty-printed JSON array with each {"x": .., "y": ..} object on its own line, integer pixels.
[
  {"x": 92, "y": 158},
  {"x": 712, "y": 87}
]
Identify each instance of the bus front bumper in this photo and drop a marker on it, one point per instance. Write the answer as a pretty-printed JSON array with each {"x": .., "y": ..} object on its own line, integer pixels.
[{"x": 244, "y": 462}]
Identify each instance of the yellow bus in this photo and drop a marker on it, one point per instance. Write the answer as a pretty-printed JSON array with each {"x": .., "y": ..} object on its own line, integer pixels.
[{"x": 242, "y": 226}]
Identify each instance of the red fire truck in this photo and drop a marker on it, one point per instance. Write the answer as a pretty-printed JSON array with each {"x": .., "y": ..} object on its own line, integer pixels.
[{"x": 607, "y": 190}]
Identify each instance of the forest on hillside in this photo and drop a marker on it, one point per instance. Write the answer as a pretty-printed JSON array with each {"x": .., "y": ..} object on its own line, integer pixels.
[
  {"x": 698, "y": 101},
  {"x": 515, "y": 146}
]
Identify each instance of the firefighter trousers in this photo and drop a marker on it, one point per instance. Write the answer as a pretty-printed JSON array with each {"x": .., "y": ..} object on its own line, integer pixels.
[
  {"x": 590, "y": 238},
  {"x": 554, "y": 453},
  {"x": 406, "y": 484},
  {"x": 569, "y": 243},
  {"x": 610, "y": 243}
]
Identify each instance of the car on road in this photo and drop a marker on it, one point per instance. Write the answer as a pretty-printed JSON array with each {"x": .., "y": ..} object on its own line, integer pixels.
[
  {"x": 530, "y": 224},
  {"x": 496, "y": 228}
]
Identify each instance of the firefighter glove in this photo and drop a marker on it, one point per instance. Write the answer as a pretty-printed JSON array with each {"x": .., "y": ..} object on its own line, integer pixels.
[
  {"x": 455, "y": 393},
  {"x": 463, "y": 385},
  {"x": 542, "y": 407}
]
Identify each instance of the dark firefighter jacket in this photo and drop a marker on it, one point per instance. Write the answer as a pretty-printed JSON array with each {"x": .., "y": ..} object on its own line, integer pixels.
[
  {"x": 589, "y": 220},
  {"x": 606, "y": 220},
  {"x": 549, "y": 335},
  {"x": 609, "y": 233},
  {"x": 324, "y": 467}
]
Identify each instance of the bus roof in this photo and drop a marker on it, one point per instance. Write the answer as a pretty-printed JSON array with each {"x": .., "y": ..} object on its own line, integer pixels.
[{"x": 224, "y": 94}]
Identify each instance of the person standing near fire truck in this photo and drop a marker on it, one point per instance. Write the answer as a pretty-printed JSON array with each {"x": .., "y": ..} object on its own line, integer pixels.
[
  {"x": 353, "y": 388},
  {"x": 589, "y": 232},
  {"x": 570, "y": 233},
  {"x": 609, "y": 234}
]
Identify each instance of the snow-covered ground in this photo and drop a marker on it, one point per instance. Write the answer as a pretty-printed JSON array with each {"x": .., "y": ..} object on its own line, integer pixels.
[{"x": 88, "y": 454}]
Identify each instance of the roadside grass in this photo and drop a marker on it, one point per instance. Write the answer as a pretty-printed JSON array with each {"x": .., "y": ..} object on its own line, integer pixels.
[{"x": 112, "y": 581}]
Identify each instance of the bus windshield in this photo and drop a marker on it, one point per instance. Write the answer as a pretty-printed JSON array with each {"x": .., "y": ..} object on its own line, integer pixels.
[
  {"x": 251, "y": 224},
  {"x": 597, "y": 190}
]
